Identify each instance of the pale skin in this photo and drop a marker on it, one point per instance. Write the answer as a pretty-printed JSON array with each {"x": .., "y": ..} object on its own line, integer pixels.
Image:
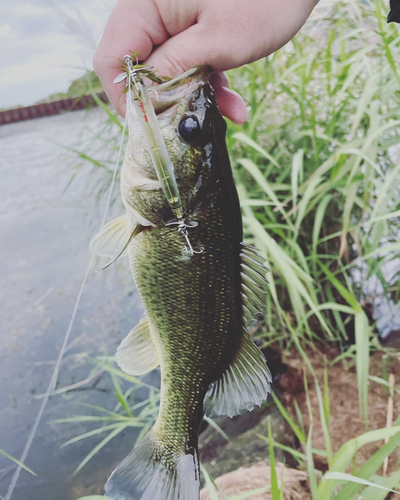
[{"x": 176, "y": 35}]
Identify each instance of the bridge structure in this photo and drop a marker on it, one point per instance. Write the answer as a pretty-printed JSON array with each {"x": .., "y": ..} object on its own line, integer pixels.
[{"x": 49, "y": 108}]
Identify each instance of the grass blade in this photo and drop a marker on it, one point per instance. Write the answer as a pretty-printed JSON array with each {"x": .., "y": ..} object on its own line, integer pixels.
[
  {"x": 10, "y": 457},
  {"x": 391, "y": 482},
  {"x": 212, "y": 490},
  {"x": 97, "y": 448},
  {"x": 94, "y": 432},
  {"x": 245, "y": 139},
  {"x": 310, "y": 466},
  {"x": 276, "y": 494},
  {"x": 214, "y": 424},
  {"x": 369, "y": 468},
  {"x": 362, "y": 331},
  {"x": 295, "y": 428},
  {"x": 343, "y": 477},
  {"x": 346, "y": 453}
]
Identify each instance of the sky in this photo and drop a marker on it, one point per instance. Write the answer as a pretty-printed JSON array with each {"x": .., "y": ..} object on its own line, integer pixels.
[{"x": 45, "y": 45}]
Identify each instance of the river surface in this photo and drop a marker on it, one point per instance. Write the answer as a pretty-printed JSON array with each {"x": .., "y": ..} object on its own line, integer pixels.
[{"x": 43, "y": 258}]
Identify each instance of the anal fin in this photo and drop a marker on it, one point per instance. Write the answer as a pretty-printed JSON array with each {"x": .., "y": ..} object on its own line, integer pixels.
[
  {"x": 244, "y": 385},
  {"x": 137, "y": 354}
]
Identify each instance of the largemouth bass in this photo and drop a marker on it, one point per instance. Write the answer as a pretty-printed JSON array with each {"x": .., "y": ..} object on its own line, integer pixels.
[{"x": 197, "y": 306}]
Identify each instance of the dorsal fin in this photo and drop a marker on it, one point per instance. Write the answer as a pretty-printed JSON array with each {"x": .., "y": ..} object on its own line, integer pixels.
[
  {"x": 246, "y": 382},
  {"x": 253, "y": 282}
]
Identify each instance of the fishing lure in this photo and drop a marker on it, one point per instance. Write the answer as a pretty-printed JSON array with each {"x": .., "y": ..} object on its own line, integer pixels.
[{"x": 138, "y": 98}]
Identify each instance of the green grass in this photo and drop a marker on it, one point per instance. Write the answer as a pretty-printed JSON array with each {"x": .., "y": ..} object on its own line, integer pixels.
[
  {"x": 318, "y": 175},
  {"x": 87, "y": 84},
  {"x": 337, "y": 483},
  {"x": 317, "y": 167},
  {"x": 16, "y": 461},
  {"x": 128, "y": 412}
]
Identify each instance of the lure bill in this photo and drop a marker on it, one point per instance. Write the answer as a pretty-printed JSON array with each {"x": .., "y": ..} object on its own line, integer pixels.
[{"x": 199, "y": 305}]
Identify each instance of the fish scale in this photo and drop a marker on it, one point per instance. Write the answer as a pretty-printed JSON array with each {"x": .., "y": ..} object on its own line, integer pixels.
[{"x": 183, "y": 325}]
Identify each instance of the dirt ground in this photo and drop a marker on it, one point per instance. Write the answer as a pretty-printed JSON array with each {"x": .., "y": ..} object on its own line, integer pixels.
[
  {"x": 259, "y": 476},
  {"x": 345, "y": 421}
]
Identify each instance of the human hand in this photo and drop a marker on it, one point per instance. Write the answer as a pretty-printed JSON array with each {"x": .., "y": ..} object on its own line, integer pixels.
[{"x": 175, "y": 35}]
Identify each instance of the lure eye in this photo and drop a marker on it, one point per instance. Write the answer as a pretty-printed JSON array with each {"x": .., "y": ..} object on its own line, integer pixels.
[{"x": 189, "y": 129}]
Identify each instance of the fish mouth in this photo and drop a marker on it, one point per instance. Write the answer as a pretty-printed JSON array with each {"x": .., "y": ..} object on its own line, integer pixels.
[{"x": 168, "y": 94}]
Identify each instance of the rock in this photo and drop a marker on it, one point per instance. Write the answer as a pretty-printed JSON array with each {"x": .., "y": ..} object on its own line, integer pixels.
[
  {"x": 258, "y": 476},
  {"x": 245, "y": 446},
  {"x": 392, "y": 340}
]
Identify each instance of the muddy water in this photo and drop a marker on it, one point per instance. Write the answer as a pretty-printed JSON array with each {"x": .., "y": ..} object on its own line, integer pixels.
[{"x": 43, "y": 258}]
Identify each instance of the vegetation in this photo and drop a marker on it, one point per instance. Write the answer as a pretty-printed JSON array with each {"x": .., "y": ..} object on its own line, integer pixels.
[
  {"x": 317, "y": 168},
  {"x": 86, "y": 84}
]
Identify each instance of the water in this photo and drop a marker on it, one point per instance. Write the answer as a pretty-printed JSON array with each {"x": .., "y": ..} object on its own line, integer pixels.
[{"x": 43, "y": 258}]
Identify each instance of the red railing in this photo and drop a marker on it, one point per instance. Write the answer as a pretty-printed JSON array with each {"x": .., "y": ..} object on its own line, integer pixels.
[{"x": 49, "y": 108}]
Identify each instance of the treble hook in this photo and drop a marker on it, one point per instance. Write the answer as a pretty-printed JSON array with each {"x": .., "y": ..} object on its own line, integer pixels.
[
  {"x": 183, "y": 227},
  {"x": 155, "y": 91}
]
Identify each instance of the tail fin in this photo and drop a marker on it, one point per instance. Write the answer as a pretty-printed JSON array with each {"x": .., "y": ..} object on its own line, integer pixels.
[{"x": 149, "y": 472}]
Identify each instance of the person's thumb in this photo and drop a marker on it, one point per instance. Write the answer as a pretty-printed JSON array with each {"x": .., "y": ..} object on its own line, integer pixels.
[
  {"x": 192, "y": 47},
  {"x": 181, "y": 52}
]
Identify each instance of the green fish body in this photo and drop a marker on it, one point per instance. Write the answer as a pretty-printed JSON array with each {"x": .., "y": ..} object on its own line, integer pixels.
[{"x": 197, "y": 306}]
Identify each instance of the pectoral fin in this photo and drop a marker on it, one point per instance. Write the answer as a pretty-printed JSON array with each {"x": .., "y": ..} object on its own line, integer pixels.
[
  {"x": 245, "y": 384},
  {"x": 114, "y": 238},
  {"x": 137, "y": 355}
]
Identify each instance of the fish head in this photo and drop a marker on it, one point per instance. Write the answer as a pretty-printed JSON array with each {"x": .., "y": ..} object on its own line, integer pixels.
[{"x": 192, "y": 127}]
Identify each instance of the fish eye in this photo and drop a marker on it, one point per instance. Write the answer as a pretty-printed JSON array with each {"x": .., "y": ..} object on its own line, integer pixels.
[{"x": 189, "y": 129}]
